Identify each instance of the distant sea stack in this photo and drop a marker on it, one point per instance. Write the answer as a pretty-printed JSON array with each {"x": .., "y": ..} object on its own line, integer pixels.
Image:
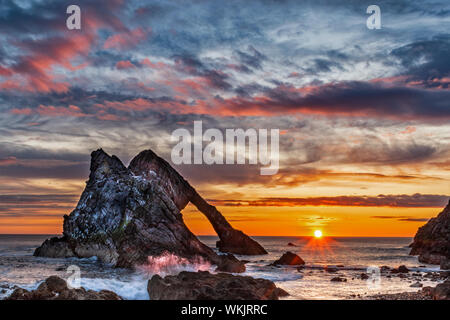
[
  {"x": 432, "y": 241},
  {"x": 126, "y": 214}
]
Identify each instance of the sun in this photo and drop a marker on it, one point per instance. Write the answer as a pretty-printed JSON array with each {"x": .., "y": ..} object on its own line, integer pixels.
[{"x": 318, "y": 234}]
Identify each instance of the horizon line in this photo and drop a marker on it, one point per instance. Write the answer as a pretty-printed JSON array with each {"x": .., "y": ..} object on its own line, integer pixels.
[{"x": 212, "y": 235}]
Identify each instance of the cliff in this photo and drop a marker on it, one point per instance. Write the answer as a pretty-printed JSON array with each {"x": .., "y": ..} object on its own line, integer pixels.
[{"x": 432, "y": 241}]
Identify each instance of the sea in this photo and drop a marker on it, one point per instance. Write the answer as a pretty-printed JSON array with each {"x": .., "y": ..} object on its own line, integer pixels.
[{"x": 349, "y": 258}]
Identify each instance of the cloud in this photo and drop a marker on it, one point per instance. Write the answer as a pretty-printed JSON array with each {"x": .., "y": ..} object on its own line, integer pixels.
[
  {"x": 397, "y": 201},
  {"x": 122, "y": 65},
  {"x": 8, "y": 161},
  {"x": 401, "y": 218},
  {"x": 426, "y": 61},
  {"x": 348, "y": 99},
  {"x": 126, "y": 40}
]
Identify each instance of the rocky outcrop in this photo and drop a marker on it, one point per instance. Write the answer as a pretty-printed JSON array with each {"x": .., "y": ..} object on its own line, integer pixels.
[
  {"x": 289, "y": 259},
  {"x": 55, "y": 288},
  {"x": 432, "y": 241},
  {"x": 125, "y": 215},
  {"x": 207, "y": 286}
]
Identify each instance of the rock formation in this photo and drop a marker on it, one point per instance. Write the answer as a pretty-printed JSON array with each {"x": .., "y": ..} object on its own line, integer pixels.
[
  {"x": 125, "y": 215},
  {"x": 206, "y": 286},
  {"x": 289, "y": 259},
  {"x": 55, "y": 288},
  {"x": 432, "y": 241}
]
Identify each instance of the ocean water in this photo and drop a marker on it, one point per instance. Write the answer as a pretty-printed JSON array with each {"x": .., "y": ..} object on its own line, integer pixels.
[{"x": 352, "y": 256}]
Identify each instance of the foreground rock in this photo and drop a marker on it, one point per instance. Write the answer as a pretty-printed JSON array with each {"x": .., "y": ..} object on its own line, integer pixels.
[
  {"x": 125, "y": 215},
  {"x": 55, "y": 288},
  {"x": 432, "y": 241},
  {"x": 207, "y": 286},
  {"x": 440, "y": 292},
  {"x": 289, "y": 259}
]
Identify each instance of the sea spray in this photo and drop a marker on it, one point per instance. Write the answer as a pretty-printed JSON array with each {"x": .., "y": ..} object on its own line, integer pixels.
[{"x": 169, "y": 263}]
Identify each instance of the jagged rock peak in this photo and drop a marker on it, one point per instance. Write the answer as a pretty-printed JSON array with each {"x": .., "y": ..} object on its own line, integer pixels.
[{"x": 104, "y": 165}]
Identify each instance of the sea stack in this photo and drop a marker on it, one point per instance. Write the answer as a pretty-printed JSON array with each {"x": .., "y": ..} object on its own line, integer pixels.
[
  {"x": 125, "y": 215},
  {"x": 432, "y": 241}
]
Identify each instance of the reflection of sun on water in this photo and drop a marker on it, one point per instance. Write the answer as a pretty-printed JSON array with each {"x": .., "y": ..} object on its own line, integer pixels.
[{"x": 318, "y": 234}]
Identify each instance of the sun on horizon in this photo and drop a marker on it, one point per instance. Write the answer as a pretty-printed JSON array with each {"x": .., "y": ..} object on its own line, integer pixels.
[{"x": 318, "y": 234}]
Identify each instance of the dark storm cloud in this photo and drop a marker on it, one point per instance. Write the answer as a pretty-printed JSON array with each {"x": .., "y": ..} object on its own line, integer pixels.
[
  {"x": 352, "y": 98},
  {"x": 427, "y": 59}
]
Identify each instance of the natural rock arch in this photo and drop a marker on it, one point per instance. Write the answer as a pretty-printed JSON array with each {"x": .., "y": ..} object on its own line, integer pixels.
[{"x": 126, "y": 214}]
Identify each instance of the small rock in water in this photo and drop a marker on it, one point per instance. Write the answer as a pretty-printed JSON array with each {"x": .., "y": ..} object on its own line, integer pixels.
[
  {"x": 338, "y": 279},
  {"x": 400, "y": 269},
  {"x": 331, "y": 269},
  {"x": 290, "y": 244},
  {"x": 384, "y": 268},
  {"x": 290, "y": 259},
  {"x": 364, "y": 276},
  {"x": 416, "y": 285}
]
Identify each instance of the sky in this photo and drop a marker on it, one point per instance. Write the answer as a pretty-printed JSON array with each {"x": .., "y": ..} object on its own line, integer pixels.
[{"x": 364, "y": 115}]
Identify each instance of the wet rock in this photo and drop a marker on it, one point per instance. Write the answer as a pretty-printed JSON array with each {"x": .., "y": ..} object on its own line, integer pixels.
[
  {"x": 331, "y": 269},
  {"x": 364, "y": 276},
  {"x": 416, "y": 285},
  {"x": 440, "y": 292},
  {"x": 385, "y": 269},
  {"x": 432, "y": 241},
  {"x": 125, "y": 215},
  {"x": 207, "y": 286},
  {"x": 290, "y": 244},
  {"x": 230, "y": 263},
  {"x": 338, "y": 279},
  {"x": 55, "y": 288},
  {"x": 289, "y": 259},
  {"x": 400, "y": 269}
]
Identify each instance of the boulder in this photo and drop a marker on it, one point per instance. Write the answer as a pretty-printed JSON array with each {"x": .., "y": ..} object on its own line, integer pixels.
[
  {"x": 55, "y": 288},
  {"x": 125, "y": 215},
  {"x": 289, "y": 259},
  {"x": 207, "y": 286},
  {"x": 440, "y": 292},
  {"x": 432, "y": 241},
  {"x": 230, "y": 263}
]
